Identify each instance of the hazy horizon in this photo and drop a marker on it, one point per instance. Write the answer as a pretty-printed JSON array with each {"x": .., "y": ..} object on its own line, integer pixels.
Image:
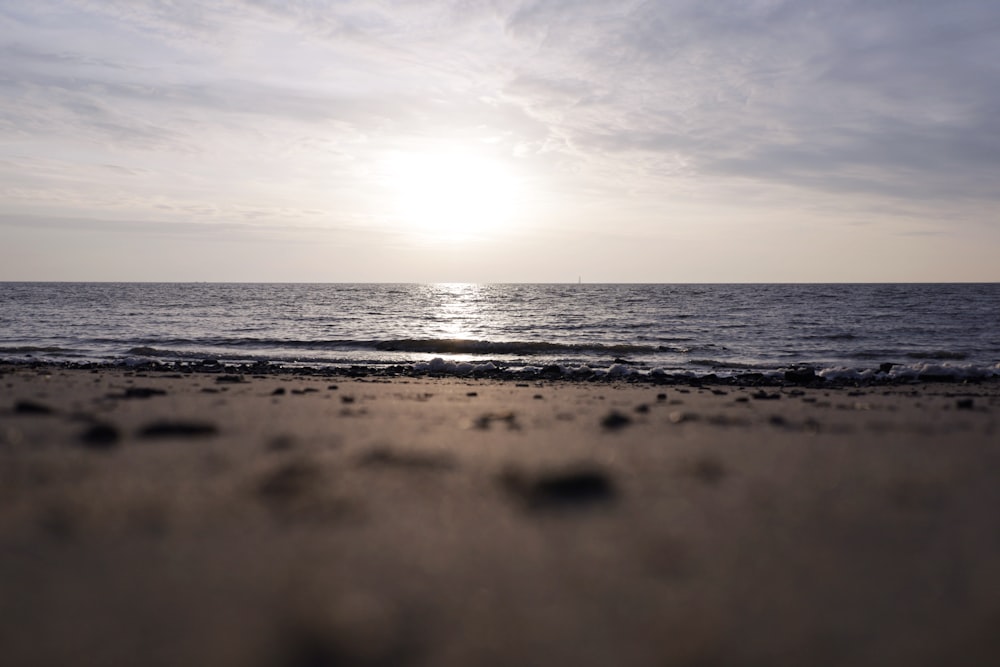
[{"x": 496, "y": 141}]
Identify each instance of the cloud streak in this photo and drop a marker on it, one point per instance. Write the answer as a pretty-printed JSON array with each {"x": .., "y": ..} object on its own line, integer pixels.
[{"x": 673, "y": 107}]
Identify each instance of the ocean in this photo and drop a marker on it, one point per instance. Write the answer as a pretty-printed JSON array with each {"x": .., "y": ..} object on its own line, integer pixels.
[{"x": 852, "y": 331}]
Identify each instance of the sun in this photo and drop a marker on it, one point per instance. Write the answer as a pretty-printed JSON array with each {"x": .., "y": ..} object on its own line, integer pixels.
[{"x": 450, "y": 195}]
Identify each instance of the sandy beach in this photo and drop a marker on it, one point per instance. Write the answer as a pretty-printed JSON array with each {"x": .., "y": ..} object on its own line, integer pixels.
[{"x": 234, "y": 519}]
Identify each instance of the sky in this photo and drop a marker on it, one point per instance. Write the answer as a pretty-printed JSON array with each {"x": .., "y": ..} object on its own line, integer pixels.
[{"x": 500, "y": 140}]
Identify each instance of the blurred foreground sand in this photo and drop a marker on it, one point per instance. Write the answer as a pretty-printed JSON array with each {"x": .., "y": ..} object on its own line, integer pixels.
[{"x": 200, "y": 520}]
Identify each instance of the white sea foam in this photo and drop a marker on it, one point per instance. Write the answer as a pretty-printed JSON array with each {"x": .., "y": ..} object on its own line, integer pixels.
[{"x": 440, "y": 365}]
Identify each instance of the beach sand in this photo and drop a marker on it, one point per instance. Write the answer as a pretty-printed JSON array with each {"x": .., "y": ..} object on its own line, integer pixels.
[{"x": 197, "y": 519}]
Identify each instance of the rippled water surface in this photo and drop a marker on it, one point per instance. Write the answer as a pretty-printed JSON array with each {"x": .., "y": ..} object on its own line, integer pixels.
[{"x": 704, "y": 328}]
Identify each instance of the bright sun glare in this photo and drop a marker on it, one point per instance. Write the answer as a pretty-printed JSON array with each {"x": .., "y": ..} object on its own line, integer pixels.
[{"x": 450, "y": 196}]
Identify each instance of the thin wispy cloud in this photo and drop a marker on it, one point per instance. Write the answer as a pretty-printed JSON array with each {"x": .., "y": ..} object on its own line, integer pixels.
[{"x": 661, "y": 120}]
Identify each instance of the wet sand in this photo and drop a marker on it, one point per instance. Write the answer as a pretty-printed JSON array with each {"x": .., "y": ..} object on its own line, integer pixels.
[{"x": 158, "y": 519}]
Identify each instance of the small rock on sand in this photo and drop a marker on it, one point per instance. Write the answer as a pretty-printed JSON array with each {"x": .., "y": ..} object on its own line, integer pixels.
[
  {"x": 142, "y": 392},
  {"x": 615, "y": 420},
  {"x": 178, "y": 429},
  {"x": 32, "y": 408},
  {"x": 100, "y": 436},
  {"x": 580, "y": 487},
  {"x": 385, "y": 457}
]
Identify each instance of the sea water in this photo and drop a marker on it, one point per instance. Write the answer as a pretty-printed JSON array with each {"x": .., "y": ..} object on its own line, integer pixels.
[{"x": 840, "y": 330}]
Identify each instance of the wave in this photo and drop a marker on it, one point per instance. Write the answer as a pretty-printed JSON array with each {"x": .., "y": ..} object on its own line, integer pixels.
[
  {"x": 943, "y": 355},
  {"x": 22, "y": 349},
  {"x": 416, "y": 345},
  {"x": 833, "y": 336},
  {"x": 526, "y": 348},
  {"x": 715, "y": 363}
]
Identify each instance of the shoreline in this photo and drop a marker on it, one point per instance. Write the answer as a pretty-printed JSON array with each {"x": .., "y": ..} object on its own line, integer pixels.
[
  {"x": 250, "y": 518},
  {"x": 619, "y": 370}
]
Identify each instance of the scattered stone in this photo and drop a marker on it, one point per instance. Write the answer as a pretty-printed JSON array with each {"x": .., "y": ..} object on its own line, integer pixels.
[
  {"x": 346, "y": 399},
  {"x": 777, "y": 420},
  {"x": 288, "y": 482},
  {"x": 615, "y": 420},
  {"x": 577, "y": 488},
  {"x": 230, "y": 379},
  {"x": 801, "y": 376},
  {"x": 333, "y": 387},
  {"x": 209, "y": 390},
  {"x": 885, "y": 367},
  {"x": 280, "y": 391},
  {"x": 100, "y": 436},
  {"x": 719, "y": 392},
  {"x": 642, "y": 408},
  {"x": 32, "y": 408},
  {"x": 307, "y": 390},
  {"x": 538, "y": 397},
  {"x": 678, "y": 417},
  {"x": 964, "y": 404},
  {"x": 741, "y": 399},
  {"x": 142, "y": 392},
  {"x": 764, "y": 396},
  {"x": 661, "y": 397},
  {"x": 178, "y": 429},
  {"x": 385, "y": 457},
  {"x": 483, "y": 422},
  {"x": 471, "y": 394}
]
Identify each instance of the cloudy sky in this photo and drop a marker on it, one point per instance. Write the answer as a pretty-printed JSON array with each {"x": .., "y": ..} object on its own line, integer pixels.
[{"x": 500, "y": 140}]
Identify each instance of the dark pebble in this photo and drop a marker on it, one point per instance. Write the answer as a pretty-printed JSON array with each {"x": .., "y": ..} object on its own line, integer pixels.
[
  {"x": 346, "y": 399},
  {"x": 964, "y": 404},
  {"x": 100, "y": 436},
  {"x": 32, "y": 408},
  {"x": 571, "y": 489},
  {"x": 615, "y": 420},
  {"x": 661, "y": 397},
  {"x": 288, "y": 482},
  {"x": 801, "y": 376},
  {"x": 471, "y": 393},
  {"x": 209, "y": 390},
  {"x": 333, "y": 387},
  {"x": 538, "y": 397},
  {"x": 280, "y": 391},
  {"x": 384, "y": 457},
  {"x": 230, "y": 379},
  {"x": 180, "y": 429},
  {"x": 764, "y": 396},
  {"x": 642, "y": 408},
  {"x": 143, "y": 392}
]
